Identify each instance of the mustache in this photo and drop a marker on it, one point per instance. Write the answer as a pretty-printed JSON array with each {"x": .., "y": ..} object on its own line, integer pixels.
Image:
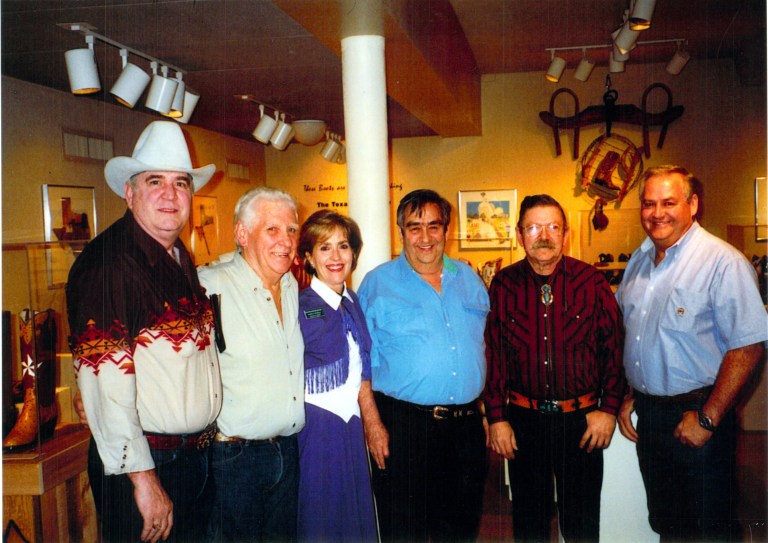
[{"x": 543, "y": 244}]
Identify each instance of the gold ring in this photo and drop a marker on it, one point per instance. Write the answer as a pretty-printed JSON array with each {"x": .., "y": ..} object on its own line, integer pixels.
[{"x": 156, "y": 525}]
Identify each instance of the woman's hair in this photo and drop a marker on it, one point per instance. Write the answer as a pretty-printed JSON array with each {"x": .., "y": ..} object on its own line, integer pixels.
[{"x": 320, "y": 226}]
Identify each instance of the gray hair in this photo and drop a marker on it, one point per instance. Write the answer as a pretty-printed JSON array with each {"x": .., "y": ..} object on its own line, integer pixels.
[
  {"x": 245, "y": 209},
  {"x": 689, "y": 181}
]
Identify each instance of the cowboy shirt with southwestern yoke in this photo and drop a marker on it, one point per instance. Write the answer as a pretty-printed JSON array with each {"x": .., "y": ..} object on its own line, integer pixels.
[{"x": 142, "y": 342}]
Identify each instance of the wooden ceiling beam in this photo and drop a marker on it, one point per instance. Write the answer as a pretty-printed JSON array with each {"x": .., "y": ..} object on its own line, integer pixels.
[{"x": 430, "y": 69}]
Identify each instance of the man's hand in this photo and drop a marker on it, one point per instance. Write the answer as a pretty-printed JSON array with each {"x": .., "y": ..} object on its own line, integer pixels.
[
  {"x": 77, "y": 403},
  {"x": 154, "y": 504},
  {"x": 503, "y": 440},
  {"x": 600, "y": 427},
  {"x": 626, "y": 427},
  {"x": 377, "y": 439},
  {"x": 689, "y": 431}
]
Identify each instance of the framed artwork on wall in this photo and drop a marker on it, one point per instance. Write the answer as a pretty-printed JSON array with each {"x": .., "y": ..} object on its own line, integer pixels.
[
  {"x": 204, "y": 223},
  {"x": 761, "y": 209},
  {"x": 69, "y": 218},
  {"x": 487, "y": 219}
]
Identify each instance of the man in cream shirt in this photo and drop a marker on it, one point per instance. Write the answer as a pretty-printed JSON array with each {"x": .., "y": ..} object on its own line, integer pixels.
[{"x": 255, "y": 452}]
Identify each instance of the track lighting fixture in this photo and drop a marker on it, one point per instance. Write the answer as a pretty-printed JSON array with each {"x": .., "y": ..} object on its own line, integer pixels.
[
  {"x": 166, "y": 96},
  {"x": 279, "y": 132},
  {"x": 641, "y": 14},
  {"x": 131, "y": 83},
  {"x": 584, "y": 69},
  {"x": 616, "y": 60},
  {"x": 81, "y": 69},
  {"x": 556, "y": 68}
]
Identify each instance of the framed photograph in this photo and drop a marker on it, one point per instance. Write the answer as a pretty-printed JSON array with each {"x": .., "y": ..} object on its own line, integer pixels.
[
  {"x": 761, "y": 209},
  {"x": 69, "y": 218},
  {"x": 204, "y": 223},
  {"x": 487, "y": 219}
]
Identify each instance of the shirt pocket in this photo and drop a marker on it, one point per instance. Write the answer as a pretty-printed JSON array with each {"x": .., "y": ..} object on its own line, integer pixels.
[
  {"x": 474, "y": 318},
  {"x": 685, "y": 311}
]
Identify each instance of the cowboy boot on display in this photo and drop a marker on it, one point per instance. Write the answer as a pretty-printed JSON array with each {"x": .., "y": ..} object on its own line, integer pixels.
[{"x": 38, "y": 361}]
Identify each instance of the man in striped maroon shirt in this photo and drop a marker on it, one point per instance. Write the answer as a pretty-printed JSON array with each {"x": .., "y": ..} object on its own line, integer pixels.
[{"x": 555, "y": 379}]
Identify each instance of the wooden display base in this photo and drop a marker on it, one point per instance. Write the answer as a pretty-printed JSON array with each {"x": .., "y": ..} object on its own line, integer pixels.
[{"x": 47, "y": 493}]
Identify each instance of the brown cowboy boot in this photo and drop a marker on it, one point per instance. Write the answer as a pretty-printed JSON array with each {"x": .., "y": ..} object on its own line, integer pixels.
[{"x": 38, "y": 362}]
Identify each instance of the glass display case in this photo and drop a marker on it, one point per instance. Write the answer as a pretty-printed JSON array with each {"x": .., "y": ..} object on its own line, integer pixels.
[{"x": 38, "y": 378}]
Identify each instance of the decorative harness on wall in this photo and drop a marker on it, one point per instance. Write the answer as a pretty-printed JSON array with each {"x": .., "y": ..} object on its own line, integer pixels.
[
  {"x": 609, "y": 113},
  {"x": 612, "y": 164}
]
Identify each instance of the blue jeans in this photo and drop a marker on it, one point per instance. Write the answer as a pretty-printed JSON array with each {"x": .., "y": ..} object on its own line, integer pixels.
[
  {"x": 183, "y": 474},
  {"x": 256, "y": 490},
  {"x": 691, "y": 492}
]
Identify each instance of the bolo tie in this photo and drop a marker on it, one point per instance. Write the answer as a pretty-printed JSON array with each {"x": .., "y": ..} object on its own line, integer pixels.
[{"x": 546, "y": 294}]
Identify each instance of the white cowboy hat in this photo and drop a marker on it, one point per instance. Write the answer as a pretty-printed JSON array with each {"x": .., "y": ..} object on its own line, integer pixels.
[{"x": 160, "y": 148}]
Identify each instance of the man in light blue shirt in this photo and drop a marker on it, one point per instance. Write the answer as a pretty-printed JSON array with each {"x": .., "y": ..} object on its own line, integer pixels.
[
  {"x": 426, "y": 315},
  {"x": 695, "y": 327}
]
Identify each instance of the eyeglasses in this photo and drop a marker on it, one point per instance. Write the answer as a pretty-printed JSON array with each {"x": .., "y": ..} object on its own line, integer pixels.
[{"x": 534, "y": 230}]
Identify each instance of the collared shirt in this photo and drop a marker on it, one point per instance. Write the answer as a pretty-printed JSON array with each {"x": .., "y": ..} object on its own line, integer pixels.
[
  {"x": 336, "y": 348},
  {"x": 683, "y": 315},
  {"x": 262, "y": 367},
  {"x": 142, "y": 341},
  {"x": 428, "y": 347},
  {"x": 557, "y": 352}
]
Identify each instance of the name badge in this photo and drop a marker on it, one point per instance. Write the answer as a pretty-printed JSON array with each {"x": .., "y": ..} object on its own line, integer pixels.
[{"x": 314, "y": 313}]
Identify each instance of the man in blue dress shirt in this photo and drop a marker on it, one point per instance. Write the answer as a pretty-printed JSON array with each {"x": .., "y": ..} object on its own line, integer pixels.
[
  {"x": 695, "y": 327},
  {"x": 426, "y": 315}
]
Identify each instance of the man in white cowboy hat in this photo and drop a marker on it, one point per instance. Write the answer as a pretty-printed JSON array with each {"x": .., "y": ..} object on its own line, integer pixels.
[{"x": 142, "y": 338}]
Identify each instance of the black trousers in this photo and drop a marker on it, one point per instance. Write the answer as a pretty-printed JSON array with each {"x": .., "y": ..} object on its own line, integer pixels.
[
  {"x": 691, "y": 492},
  {"x": 432, "y": 488},
  {"x": 548, "y": 446},
  {"x": 183, "y": 474}
]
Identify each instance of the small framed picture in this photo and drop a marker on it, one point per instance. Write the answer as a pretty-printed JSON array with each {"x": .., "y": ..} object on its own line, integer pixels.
[
  {"x": 69, "y": 218},
  {"x": 487, "y": 219},
  {"x": 205, "y": 230}
]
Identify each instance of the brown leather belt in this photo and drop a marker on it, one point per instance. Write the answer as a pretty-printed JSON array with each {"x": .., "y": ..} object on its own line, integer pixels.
[
  {"x": 222, "y": 438},
  {"x": 167, "y": 442},
  {"x": 697, "y": 395},
  {"x": 554, "y": 406}
]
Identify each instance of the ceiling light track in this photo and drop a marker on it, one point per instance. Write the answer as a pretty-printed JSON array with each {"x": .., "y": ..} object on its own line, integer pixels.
[
  {"x": 278, "y": 131},
  {"x": 87, "y": 30},
  {"x": 678, "y": 41},
  {"x": 168, "y": 96}
]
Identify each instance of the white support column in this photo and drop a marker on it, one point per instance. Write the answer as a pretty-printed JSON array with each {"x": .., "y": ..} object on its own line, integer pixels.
[{"x": 365, "y": 124}]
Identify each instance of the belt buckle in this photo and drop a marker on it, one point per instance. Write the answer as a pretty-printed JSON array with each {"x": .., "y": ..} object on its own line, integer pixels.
[
  {"x": 205, "y": 439},
  {"x": 440, "y": 412},
  {"x": 550, "y": 406}
]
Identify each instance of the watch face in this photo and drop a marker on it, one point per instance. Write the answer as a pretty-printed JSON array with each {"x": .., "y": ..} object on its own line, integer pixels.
[{"x": 706, "y": 422}]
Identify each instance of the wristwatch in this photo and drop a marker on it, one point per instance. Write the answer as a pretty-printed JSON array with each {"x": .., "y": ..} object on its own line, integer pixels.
[{"x": 706, "y": 422}]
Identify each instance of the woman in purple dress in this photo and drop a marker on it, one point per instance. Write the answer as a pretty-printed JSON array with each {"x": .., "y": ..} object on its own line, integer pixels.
[{"x": 335, "y": 497}]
